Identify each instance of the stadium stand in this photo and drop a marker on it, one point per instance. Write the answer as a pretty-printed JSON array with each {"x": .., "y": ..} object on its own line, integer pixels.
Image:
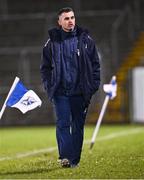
[
  {"x": 36, "y": 6},
  {"x": 23, "y": 31}
]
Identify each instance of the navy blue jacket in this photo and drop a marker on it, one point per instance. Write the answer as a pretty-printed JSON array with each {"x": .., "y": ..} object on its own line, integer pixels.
[{"x": 88, "y": 63}]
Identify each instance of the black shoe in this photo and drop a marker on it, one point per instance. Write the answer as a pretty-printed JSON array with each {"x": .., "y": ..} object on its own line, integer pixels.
[{"x": 65, "y": 163}]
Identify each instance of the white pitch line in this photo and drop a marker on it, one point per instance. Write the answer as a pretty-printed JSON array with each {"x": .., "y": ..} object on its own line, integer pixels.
[
  {"x": 119, "y": 134},
  {"x": 29, "y": 153},
  {"x": 51, "y": 149}
]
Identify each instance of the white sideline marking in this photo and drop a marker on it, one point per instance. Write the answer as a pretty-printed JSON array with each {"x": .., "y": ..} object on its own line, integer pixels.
[
  {"x": 51, "y": 149},
  {"x": 29, "y": 153},
  {"x": 119, "y": 134}
]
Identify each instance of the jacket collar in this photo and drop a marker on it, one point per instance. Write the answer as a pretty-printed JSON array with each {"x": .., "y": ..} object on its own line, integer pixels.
[{"x": 55, "y": 33}]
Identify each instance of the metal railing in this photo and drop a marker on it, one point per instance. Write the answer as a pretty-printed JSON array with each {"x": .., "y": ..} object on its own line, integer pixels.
[{"x": 23, "y": 66}]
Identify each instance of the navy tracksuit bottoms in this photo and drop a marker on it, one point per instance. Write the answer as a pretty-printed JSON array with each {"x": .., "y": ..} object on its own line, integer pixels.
[{"x": 71, "y": 113}]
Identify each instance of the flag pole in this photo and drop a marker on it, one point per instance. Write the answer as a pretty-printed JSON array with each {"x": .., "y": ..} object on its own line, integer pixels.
[
  {"x": 101, "y": 116},
  {"x": 10, "y": 91},
  {"x": 99, "y": 121}
]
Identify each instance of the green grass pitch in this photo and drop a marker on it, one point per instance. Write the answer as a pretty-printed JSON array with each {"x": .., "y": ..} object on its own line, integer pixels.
[{"x": 31, "y": 153}]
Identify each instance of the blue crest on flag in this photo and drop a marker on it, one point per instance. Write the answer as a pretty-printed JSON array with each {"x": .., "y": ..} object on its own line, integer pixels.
[{"x": 28, "y": 101}]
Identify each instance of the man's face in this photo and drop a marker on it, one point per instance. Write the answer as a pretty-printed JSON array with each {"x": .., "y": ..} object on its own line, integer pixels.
[{"x": 67, "y": 21}]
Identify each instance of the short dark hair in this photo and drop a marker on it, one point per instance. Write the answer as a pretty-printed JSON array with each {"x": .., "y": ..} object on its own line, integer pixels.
[{"x": 65, "y": 9}]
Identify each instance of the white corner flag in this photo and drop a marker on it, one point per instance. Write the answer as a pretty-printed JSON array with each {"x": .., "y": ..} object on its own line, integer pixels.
[
  {"x": 111, "y": 91},
  {"x": 20, "y": 97}
]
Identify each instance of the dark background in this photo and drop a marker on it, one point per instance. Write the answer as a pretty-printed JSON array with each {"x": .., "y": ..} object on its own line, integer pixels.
[{"x": 114, "y": 24}]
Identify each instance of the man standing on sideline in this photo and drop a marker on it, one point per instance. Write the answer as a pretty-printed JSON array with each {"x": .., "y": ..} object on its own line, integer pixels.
[{"x": 70, "y": 73}]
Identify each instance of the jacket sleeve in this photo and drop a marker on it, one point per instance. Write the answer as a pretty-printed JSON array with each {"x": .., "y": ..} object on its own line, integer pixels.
[
  {"x": 46, "y": 65},
  {"x": 95, "y": 67}
]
